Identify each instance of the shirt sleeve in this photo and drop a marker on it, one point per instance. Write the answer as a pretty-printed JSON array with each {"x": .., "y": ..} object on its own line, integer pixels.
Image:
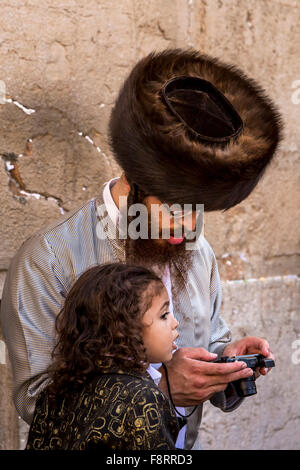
[
  {"x": 220, "y": 336},
  {"x": 33, "y": 295}
]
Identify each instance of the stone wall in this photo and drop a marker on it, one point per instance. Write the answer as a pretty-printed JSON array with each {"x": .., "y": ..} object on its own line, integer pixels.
[
  {"x": 271, "y": 419},
  {"x": 61, "y": 65}
]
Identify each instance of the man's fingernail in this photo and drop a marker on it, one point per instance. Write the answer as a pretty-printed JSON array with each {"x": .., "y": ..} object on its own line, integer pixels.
[{"x": 213, "y": 354}]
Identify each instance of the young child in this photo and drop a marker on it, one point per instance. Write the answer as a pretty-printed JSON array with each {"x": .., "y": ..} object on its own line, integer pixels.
[{"x": 114, "y": 323}]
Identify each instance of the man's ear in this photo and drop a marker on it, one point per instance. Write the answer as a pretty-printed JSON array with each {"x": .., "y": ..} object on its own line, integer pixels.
[{"x": 125, "y": 181}]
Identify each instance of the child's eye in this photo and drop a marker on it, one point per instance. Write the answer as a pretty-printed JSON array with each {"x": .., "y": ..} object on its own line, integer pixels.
[{"x": 164, "y": 315}]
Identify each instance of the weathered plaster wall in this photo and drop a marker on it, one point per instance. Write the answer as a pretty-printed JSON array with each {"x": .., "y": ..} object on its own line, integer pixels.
[
  {"x": 62, "y": 63},
  {"x": 271, "y": 419}
]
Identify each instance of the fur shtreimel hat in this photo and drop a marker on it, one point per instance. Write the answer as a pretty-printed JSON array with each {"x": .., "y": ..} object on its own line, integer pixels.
[{"x": 190, "y": 129}]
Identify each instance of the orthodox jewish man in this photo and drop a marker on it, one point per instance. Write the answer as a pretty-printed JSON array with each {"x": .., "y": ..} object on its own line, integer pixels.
[{"x": 188, "y": 131}]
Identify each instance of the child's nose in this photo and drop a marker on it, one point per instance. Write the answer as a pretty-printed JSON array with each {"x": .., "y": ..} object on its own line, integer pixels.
[{"x": 175, "y": 323}]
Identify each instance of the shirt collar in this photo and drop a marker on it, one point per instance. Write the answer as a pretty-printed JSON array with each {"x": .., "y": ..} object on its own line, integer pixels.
[
  {"x": 154, "y": 374},
  {"x": 110, "y": 204}
]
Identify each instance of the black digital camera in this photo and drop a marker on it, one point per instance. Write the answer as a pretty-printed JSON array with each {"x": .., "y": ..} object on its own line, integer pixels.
[{"x": 246, "y": 387}]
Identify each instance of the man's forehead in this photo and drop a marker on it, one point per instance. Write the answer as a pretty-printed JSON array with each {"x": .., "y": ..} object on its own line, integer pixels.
[
  {"x": 175, "y": 209},
  {"x": 176, "y": 205}
]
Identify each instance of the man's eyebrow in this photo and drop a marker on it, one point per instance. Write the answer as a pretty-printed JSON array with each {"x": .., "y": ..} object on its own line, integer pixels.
[{"x": 166, "y": 304}]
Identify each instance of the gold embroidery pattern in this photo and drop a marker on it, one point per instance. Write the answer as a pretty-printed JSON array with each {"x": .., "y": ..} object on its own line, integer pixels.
[{"x": 114, "y": 411}]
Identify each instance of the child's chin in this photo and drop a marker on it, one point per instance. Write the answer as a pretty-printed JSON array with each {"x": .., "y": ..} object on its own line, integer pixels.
[{"x": 168, "y": 358}]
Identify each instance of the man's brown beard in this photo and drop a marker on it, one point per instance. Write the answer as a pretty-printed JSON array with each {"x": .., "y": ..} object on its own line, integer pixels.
[{"x": 149, "y": 252}]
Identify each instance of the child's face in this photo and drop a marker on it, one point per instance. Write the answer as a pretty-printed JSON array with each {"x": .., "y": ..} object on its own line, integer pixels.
[{"x": 159, "y": 332}]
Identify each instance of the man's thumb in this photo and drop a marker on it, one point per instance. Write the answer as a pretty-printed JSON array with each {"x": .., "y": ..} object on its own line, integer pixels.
[{"x": 201, "y": 354}]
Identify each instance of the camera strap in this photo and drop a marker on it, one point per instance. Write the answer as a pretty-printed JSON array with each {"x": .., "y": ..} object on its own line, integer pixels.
[{"x": 170, "y": 396}]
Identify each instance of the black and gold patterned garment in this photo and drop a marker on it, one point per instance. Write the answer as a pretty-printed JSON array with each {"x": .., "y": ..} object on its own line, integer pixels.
[{"x": 119, "y": 410}]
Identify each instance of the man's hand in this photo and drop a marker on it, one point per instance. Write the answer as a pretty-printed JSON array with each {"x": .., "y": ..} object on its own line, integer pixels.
[
  {"x": 194, "y": 379},
  {"x": 250, "y": 345}
]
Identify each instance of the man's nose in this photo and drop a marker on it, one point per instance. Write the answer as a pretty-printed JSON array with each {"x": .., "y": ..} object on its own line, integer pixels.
[{"x": 186, "y": 225}]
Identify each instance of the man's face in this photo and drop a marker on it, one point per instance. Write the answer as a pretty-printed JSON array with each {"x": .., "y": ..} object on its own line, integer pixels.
[
  {"x": 166, "y": 231},
  {"x": 174, "y": 223}
]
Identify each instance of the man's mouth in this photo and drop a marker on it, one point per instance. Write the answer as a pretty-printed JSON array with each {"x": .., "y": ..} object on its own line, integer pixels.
[{"x": 175, "y": 241}]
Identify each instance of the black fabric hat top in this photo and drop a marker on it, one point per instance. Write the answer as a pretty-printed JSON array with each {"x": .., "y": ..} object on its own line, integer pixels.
[{"x": 204, "y": 110}]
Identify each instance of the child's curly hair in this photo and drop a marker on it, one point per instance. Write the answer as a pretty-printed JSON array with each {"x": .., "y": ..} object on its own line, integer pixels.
[{"x": 100, "y": 324}]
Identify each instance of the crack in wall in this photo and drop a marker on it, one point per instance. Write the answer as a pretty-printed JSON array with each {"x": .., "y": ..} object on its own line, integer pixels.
[
  {"x": 83, "y": 134},
  {"x": 29, "y": 111},
  {"x": 16, "y": 184},
  {"x": 90, "y": 140},
  {"x": 19, "y": 105}
]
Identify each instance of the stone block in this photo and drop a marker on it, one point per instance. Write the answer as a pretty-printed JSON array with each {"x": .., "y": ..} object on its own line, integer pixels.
[{"x": 270, "y": 420}]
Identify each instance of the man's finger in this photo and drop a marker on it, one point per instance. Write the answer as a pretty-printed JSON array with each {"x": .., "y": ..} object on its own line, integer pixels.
[
  {"x": 198, "y": 354},
  {"x": 221, "y": 369},
  {"x": 259, "y": 345},
  {"x": 237, "y": 375}
]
